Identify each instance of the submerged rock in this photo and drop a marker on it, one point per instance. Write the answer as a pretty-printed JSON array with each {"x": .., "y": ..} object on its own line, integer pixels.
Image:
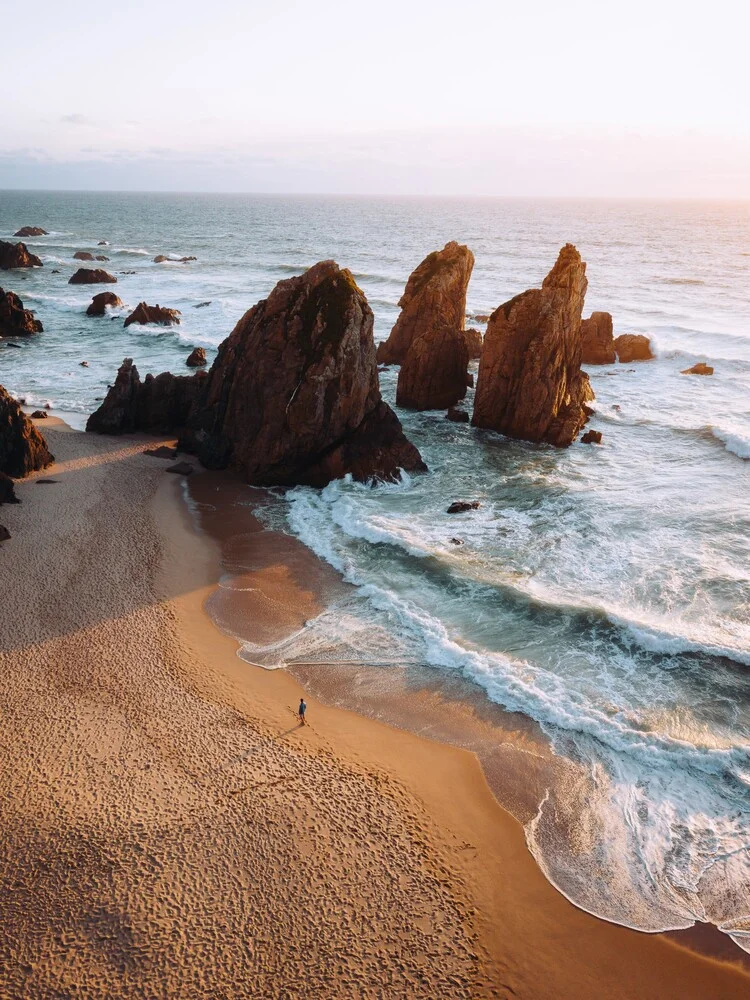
[
  {"x": 99, "y": 303},
  {"x": 633, "y": 347},
  {"x": 433, "y": 374},
  {"x": 457, "y": 415},
  {"x": 461, "y": 506},
  {"x": 83, "y": 255},
  {"x": 14, "y": 255},
  {"x": 159, "y": 404},
  {"x": 162, "y": 258},
  {"x": 15, "y": 321},
  {"x": 26, "y": 231},
  {"x": 22, "y": 447},
  {"x": 700, "y": 369},
  {"x": 92, "y": 276},
  {"x": 591, "y": 437},
  {"x": 597, "y": 340},
  {"x": 144, "y": 313},
  {"x": 530, "y": 384},
  {"x": 434, "y": 298},
  {"x": 197, "y": 358}
]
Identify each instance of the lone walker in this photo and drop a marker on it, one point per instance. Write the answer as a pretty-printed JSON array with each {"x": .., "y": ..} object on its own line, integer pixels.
[{"x": 301, "y": 711}]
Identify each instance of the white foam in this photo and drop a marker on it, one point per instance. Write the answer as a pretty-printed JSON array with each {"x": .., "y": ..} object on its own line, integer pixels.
[{"x": 737, "y": 442}]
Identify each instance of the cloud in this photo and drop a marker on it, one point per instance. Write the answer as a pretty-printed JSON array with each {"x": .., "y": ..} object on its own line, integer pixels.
[{"x": 76, "y": 119}]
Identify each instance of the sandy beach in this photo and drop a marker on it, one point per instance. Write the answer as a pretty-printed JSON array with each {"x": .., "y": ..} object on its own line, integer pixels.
[{"x": 168, "y": 830}]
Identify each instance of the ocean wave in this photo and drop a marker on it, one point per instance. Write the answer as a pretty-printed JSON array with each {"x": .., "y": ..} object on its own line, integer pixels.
[
  {"x": 736, "y": 442},
  {"x": 137, "y": 251},
  {"x": 683, "y": 281}
]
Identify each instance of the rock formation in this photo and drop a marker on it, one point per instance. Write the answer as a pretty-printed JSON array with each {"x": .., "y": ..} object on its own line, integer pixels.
[
  {"x": 22, "y": 447},
  {"x": 15, "y": 321},
  {"x": 39, "y": 415},
  {"x": 433, "y": 373},
  {"x": 159, "y": 404},
  {"x": 27, "y": 231},
  {"x": 434, "y": 297},
  {"x": 16, "y": 255},
  {"x": 461, "y": 506},
  {"x": 144, "y": 313},
  {"x": 100, "y": 302},
  {"x": 700, "y": 369},
  {"x": 530, "y": 383},
  {"x": 83, "y": 255},
  {"x": 162, "y": 258},
  {"x": 633, "y": 347},
  {"x": 457, "y": 415},
  {"x": 103, "y": 243},
  {"x": 597, "y": 341},
  {"x": 92, "y": 276},
  {"x": 197, "y": 358},
  {"x": 591, "y": 437},
  {"x": 473, "y": 344}
]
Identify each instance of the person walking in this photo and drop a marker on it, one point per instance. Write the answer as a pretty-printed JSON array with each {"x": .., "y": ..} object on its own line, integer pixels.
[{"x": 301, "y": 711}]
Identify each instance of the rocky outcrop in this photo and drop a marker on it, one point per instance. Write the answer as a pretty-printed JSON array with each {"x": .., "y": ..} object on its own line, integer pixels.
[
  {"x": 530, "y": 383},
  {"x": 633, "y": 347},
  {"x": 473, "y": 344},
  {"x": 457, "y": 415},
  {"x": 700, "y": 369},
  {"x": 159, "y": 404},
  {"x": 462, "y": 506},
  {"x": 39, "y": 415},
  {"x": 197, "y": 358},
  {"x": 22, "y": 447},
  {"x": 92, "y": 276},
  {"x": 26, "y": 231},
  {"x": 162, "y": 258},
  {"x": 15, "y": 321},
  {"x": 434, "y": 298},
  {"x": 16, "y": 255},
  {"x": 433, "y": 374},
  {"x": 83, "y": 255},
  {"x": 100, "y": 302},
  {"x": 144, "y": 313},
  {"x": 591, "y": 437},
  {"x": 597, "y": 340}
]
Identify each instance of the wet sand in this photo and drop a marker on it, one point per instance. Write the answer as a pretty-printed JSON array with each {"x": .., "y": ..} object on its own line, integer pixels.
[{"x": 169, "y": 830}]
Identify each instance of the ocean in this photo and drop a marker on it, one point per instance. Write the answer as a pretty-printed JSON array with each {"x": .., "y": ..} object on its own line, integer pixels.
[{"x": 603, "y": 592}]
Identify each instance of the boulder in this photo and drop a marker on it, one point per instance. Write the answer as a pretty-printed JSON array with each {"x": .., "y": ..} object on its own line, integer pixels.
[
  {"x": 700, "y": 369},
  {"x": 461, "y": 506},
  {"x": 144, "y": 313},
  {"x": 16, "y": 255},
  {"x": 473, "y": 344},
  {"x": 457, "y": 415},
  {"x": 591, "y": 437},
  {"x": 159, "y": 404},
  {"x": 597, "y": 341},
  {"x": 100, "y": 301},
  {"x": 434, "y": 298},
  {"x": 39, "y": 415},
  {"x": 469, "y": 380},
  {"x": 22, "y": 447},
  {"x": 83, "y": 255},
  {"x": 530, "y": 384},
  {"x": 433, "y": 373},
  {"x": 7, "y": 490},
  {"x": 197, "y": 358},
  {"x": 26, "y": 231},
  {"x": 15, "y": 321},
  {"x": 293, "y": 395},
  {"x": 103, "y": 243},
  {"x": 101, "y": 257},
  {"x": 92, "y": 276},
  {"x": 633, "y": 347}
]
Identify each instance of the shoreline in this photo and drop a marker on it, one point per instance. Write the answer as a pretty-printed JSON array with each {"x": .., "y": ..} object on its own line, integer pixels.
[{"x": 154, "y": 739}]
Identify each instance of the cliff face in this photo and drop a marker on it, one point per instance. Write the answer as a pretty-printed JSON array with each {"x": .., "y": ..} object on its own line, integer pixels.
[
  {"x": 597, "y": 341},
  {"x": 159, "y": 404},
  {"x": 530, "y": 383},
  {"x": 15, "y": 321},
  {"x": 434, "y": 297},
  {"x": 22, "y": 447},
  {"x": 433, "y": 375}
]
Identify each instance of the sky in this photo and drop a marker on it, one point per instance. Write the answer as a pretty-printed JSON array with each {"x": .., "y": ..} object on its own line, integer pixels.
[{"x": 436, "y": 97}]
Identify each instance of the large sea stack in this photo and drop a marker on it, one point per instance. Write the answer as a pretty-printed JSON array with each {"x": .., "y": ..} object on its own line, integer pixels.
[
  {"x": 16, "y": 255},
  {"x": 597, "y": 340},
  {"x": 433, "y": 375},
  {"x": 530, "y": 383},
  {"x": 434, "y": 298},
  {"x": 15, "y": 321},
  {"x": 22, "y": 447}
]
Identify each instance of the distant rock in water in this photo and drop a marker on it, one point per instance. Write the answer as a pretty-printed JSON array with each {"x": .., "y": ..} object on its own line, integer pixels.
[
  {"x": 161, "y": 259},
  {"x": 27, "y": 231},
  {"x": 99, "y": 303},
  {"x": 462, "y": 506},
  {"x": 92, "y": 276},
  {"x": 101, "y": 257},
  {"x": 202, "y": 305},
  {"x": 144, "y": 313},
  {"x": 633, "y": 347},
  {"x": 700, "y": 369},
  {"x": 197, "y": 358},
  {"x": 157, "y": 405},
  {"x": 597, "y": 340},
  {"x": 434, "y": 298},
  {"x": 293, "y": 395},
  {"x": 433, "y": 373},
  {"x": 14, "y": 255},
  {"x": 22, "y": 447},
  {"x": 530, "y": 383},
  {"x": 15, "y": 321},
  {"x": 591, "y": 437},
  {"x": 83, "y": 255},
  {"x": 103, "y": 243},
  {"x": 473, "y": 344}
]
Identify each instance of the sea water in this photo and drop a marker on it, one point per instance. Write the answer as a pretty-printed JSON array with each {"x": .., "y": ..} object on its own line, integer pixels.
[{"x": 602, "y": 591}]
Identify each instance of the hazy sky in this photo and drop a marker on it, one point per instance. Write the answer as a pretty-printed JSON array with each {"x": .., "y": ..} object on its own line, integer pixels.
[{"x": 534, "y": 97}]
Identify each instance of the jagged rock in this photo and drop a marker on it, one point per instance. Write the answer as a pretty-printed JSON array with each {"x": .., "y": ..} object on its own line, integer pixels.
[
  {"x": 22, "y": 447},
  {"x": 83, "y": 255},
  {"x": 457, "y": 415},
  {"x": 591, "y": 437},
  {"x": 433, "y": 373},
  {"x": 700, "y": 369},
  {"x": 473, "y": 344},
  {"x": 83, "y": 364},
  {"x": 159, "y": 404},
  {"x": 92, "y": 276},
  {"x": 7, "y": 490},
  {"x": 181, "y": 469},
  {"x": 633, "y": 347},
  {"x": 15, "y": 321},
  {"x": 144, "y": 313},
  {"x": 597, "y": 341},
  {"x": 100, "y": 302},
  {"x": 530, "y": 383},
  {"x": 4, "y": 534},
  {"x": 16, "y": 255},
  {"x": 39, "y": 415},
  {"x": 27, "y": 231},
  {"x": 197, "y": 358},
  {"x": 434, "y": 298},
  {"x": 461, "y": 506},
  {"x": 103, "y": 243},
  {"x": 172, "y": 260},
  {"x": 293, "y": 395}
]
